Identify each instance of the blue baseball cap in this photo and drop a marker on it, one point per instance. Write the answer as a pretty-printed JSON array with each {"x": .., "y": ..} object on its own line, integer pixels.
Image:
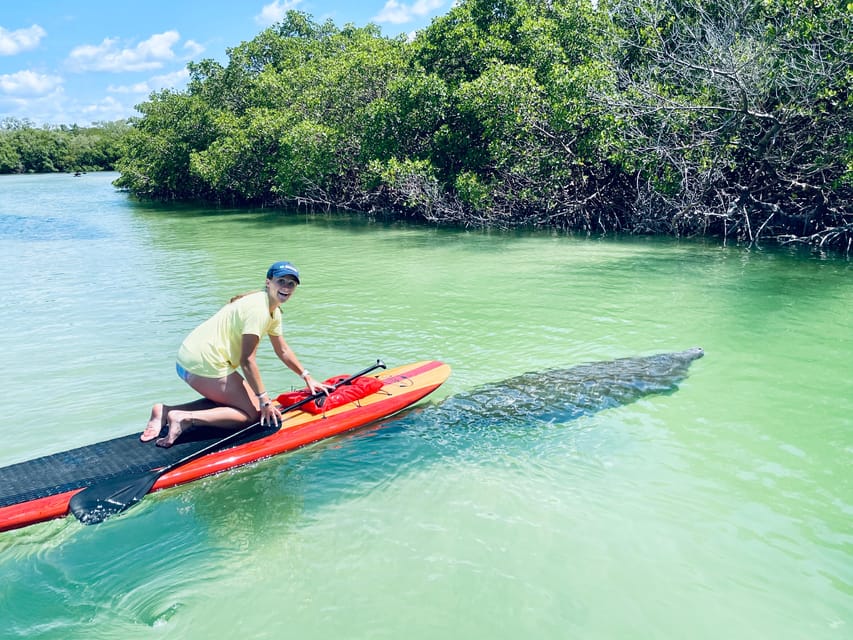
[{"x": 283, "y": 268}]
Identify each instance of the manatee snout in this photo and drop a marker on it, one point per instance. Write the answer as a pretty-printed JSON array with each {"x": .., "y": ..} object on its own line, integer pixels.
[{"x": 694, "y": 354}]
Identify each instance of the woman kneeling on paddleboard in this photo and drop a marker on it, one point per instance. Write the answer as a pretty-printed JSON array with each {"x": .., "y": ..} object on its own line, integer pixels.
[{"x": 209, "y": 357}]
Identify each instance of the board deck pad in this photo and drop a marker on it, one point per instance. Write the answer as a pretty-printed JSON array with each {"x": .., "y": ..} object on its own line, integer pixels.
[{"x": 85, "y": 466}]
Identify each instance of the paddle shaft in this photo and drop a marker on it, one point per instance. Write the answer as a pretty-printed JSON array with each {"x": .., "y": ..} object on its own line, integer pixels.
[{"x": 237, "y": 434}]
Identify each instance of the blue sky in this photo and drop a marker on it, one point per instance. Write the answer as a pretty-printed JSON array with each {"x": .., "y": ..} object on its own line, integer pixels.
[{"x": 85, "y": 61}]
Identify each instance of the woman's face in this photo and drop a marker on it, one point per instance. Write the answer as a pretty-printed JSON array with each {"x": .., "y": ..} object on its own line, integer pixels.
[{"x": 280, "y": 289}]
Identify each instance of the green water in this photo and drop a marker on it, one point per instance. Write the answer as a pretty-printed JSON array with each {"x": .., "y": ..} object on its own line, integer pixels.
[{"x": 723, "y": 510}]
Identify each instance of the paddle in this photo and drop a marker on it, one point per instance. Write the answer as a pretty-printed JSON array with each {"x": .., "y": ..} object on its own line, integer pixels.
[{"x": 98, "y": 502}]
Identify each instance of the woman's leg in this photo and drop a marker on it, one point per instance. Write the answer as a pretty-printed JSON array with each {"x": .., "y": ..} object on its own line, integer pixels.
[{"x": 234, "y": 406}]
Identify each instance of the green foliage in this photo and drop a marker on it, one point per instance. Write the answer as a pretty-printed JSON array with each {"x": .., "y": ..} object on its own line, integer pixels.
[
  {"x": 286, "y": 119},
  {"x": 238, "y": 163},
  {"x": 403, "y": 122},
  {"x": 10, "y": 159},
  {"x": 156, "y": 162},
  {"x": 678, "y": 116},
  {"x": 473, "y": 192},
  {"x": 737, "y": 114},
  {"x": 414, "y": 178},
  {"x": 314, "y": 159},
  {"x": 27, "y": 149}
]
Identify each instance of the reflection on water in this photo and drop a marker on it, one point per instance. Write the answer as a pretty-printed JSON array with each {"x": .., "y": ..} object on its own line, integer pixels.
[{"x": 30, "y": 229}]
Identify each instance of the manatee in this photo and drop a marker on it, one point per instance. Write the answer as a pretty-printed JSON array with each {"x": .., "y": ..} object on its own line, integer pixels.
[{"x": 560, "y": 395}]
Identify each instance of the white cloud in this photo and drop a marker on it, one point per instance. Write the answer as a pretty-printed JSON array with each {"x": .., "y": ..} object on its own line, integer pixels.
[
  {"x": 107, "y": 109},
  {"x": 28, "y": 83},
  {"x": 143, "y": 87},
  {"x": 108, "y": 56},
  {"x": 176, "y": 80},
  {"x": 38, "y": 109},
  {"x": 56, "y": 107},
  {"x": 274, "y": 11},
  {"x": 12, "y": 42},
  {"x": 400, "y": 13},
  {"x": 193, "y": 48}
]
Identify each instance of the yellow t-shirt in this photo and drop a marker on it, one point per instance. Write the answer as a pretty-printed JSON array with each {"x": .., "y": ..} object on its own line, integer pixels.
[{"x": 213, "y": 348}]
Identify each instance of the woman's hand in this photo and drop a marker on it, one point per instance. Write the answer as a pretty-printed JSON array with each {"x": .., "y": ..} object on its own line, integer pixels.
[
  {"x": 270, "y": 413},
  {"x": 314, "y": 386}
]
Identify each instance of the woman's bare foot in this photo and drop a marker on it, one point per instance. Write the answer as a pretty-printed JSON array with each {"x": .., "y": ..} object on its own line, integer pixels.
[
  {"x": 179, "y": 422},
  {"x": 155, "y": 424}
]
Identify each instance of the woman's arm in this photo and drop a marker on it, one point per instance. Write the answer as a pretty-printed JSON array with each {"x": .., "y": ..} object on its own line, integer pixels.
[
  {"x": 249, "y": 347},
  {"x": 248, "y": 363},
  {"x": 286, "y": 355}
]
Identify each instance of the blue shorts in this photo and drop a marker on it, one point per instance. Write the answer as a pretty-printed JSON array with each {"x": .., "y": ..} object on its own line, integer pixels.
[{"x": 183, "y": 374}]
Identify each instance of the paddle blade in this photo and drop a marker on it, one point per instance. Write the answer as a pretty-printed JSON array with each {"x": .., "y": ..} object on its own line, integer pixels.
[{"x": 100, "y": 501}]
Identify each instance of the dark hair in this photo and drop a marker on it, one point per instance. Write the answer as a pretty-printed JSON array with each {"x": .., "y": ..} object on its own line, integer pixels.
[{"x": 241, "y": 295}]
